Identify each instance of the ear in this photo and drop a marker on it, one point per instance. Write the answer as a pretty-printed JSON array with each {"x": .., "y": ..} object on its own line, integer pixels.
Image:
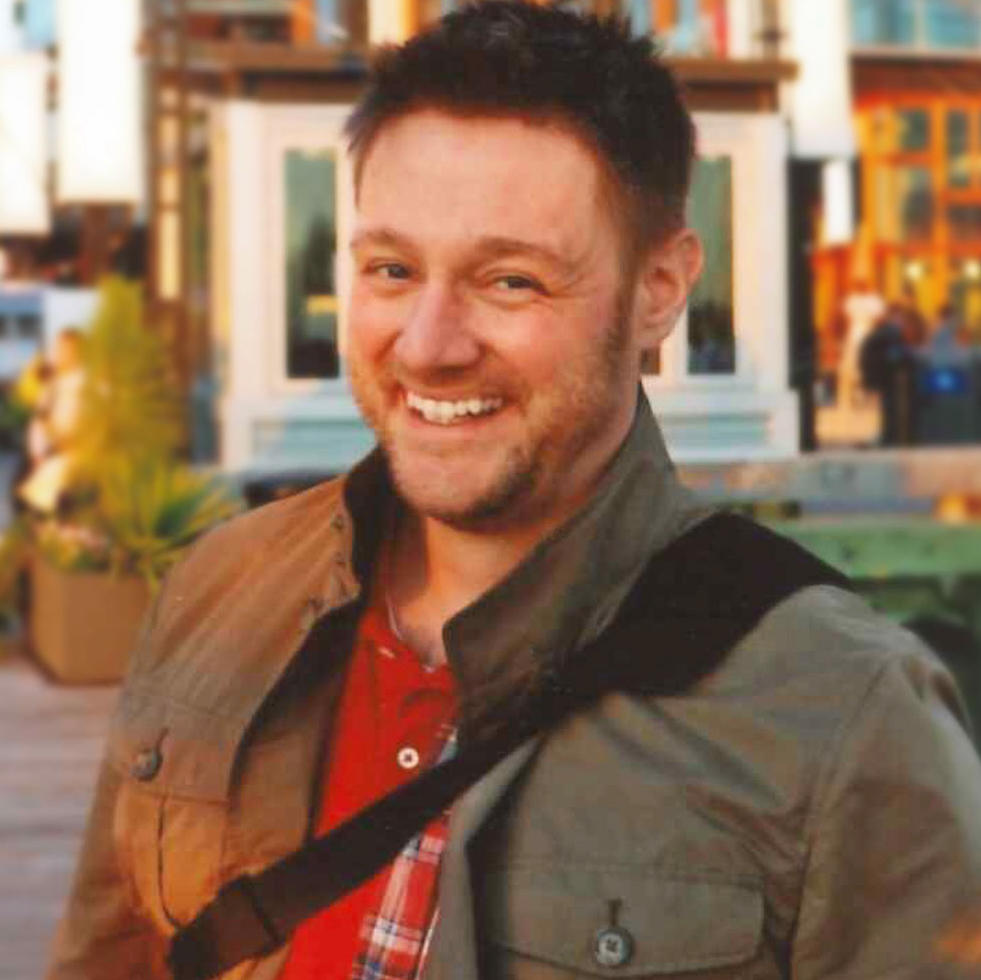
[{"x": 665, "y": 277}]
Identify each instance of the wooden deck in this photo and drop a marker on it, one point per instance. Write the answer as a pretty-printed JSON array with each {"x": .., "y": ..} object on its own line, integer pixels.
[{"x": 51, "y": 740}]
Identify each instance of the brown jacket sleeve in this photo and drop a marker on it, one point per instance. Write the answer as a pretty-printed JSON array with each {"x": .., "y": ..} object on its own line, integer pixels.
[
  {"x": 101, "y": 936},
  {"x": 895, "y": 835}
]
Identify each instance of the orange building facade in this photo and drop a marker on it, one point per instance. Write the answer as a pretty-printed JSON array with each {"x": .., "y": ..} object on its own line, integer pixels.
[{"x": 917, "y": 240}]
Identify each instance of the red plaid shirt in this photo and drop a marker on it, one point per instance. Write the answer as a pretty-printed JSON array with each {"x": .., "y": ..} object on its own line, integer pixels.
[{"x": 395, "y": 718}]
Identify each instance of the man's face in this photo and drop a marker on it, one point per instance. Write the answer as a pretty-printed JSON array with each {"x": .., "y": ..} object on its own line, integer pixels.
[{"x": 490, "y": 346}]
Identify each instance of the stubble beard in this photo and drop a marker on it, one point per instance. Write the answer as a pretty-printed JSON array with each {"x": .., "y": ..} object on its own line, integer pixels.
[{"x": 579, "y": 410}]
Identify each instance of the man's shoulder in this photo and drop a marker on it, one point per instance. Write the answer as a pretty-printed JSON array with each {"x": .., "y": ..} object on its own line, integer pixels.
[
  {"x": 828, "y": 647},
  {"x": 271, "y": 529},
  {"x": 238, "y": 602}
]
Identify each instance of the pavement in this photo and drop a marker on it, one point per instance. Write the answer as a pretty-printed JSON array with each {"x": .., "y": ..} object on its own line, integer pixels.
[{"x": 51, "y": 740}]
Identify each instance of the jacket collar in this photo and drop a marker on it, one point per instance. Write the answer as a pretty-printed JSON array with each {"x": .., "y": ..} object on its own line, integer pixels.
[{"x": 567, "y": 589}]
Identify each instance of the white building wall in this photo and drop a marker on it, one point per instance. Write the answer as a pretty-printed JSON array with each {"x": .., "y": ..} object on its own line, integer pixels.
[
  {"x": 752, "y": 414},
  {"x": 11, "y": 35},
  {"x": 820, "y": 99},
  {"x": 269, "y": 422}
]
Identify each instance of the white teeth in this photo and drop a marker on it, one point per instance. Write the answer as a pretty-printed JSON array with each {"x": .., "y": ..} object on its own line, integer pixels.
[{"x": 445, "y": 412}]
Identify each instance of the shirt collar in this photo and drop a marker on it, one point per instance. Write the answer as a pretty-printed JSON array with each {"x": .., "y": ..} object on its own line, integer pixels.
[{"x": 567, "y": 590}]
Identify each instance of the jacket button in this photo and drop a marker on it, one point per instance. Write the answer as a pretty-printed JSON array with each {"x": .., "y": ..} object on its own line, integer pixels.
[
  {"x": 147, "y": 764},
  {"x": 613, "y": 947}
]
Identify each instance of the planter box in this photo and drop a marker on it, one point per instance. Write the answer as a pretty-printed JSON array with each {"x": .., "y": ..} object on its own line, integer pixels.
[{"x": 84, "y": 625}]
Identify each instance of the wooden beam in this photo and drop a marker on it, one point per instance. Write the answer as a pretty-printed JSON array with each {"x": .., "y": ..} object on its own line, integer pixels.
[
  {"x": 268, "y": 56},
  {"x": 886, "y": 73},
  {"x": 737, "y": 71}
]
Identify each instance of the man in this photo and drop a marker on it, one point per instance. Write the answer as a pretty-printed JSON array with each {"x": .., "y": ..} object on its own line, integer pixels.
[
  {"x": 863, "y": 308},
  {"x": 809, "y": 810},
  {"x": 888, "y": 369}
]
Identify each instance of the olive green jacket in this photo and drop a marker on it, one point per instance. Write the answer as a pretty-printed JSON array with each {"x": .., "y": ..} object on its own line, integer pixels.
[{"x": 811, "y": 810}]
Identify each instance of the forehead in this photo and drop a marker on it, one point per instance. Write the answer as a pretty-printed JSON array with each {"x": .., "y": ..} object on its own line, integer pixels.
[{"x": 497, "y": 174}]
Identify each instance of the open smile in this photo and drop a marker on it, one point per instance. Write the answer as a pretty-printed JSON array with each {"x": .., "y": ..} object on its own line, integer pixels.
[{"x": 444, "y": 412}]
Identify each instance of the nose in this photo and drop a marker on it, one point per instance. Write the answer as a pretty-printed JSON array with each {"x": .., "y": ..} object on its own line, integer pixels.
[{"x": 435, "y": 335}]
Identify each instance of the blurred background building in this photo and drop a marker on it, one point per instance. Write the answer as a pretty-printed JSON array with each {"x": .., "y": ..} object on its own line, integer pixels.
[
  {"x": 197, "y": 145},
  {"x": 826, "y": 374}
]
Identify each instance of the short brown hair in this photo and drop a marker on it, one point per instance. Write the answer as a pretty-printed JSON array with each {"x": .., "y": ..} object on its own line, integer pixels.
[{"x": 549, "y": 63}]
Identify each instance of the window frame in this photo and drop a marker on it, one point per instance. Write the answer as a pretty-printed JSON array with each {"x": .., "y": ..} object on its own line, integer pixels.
[
  {"x": 284, "y": 136},
  {"x": 754, "y": 235}
]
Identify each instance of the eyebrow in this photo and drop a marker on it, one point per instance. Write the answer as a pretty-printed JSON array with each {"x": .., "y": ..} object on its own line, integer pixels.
[
  {"x": 488, "y": 247},
  {"x": 379, "y": 236}
]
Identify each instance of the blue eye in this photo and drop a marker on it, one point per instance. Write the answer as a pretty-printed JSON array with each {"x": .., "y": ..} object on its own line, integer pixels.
[
  {"x": 392, "y": 270},
  {"x": 512, "y": 283}
]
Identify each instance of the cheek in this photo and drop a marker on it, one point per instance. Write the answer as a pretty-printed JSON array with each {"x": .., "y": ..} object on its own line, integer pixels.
[{"x": 369, "y": 330}]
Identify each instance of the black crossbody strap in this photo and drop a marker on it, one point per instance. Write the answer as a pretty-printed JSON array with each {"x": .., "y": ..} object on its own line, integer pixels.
[{"x": 691, "y": 605}]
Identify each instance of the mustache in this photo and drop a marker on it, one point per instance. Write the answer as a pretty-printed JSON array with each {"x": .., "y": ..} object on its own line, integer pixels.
[{"x": 465, "y": 381}]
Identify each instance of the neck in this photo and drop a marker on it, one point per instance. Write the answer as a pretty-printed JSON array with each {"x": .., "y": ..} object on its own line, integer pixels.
[{"x": 435, "y": 570}]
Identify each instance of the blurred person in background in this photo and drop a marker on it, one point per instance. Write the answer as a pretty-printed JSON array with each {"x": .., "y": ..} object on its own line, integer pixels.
[
  {"x": 888, "y": 371},
  {"x": 914, "y": 322},
  {"x": 863, "y": 308},
  {"x": 53, "y": 425},
  {"x": 946, "y": 341}
]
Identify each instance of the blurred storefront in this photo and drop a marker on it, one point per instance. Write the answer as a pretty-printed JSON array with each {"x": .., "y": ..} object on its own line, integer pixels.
[
  {"x": 251, "y": 207},
  {"x": 916, "y": 84},
  {"x": 71, "y": 165},
  {"x": 839, "y": 156}
]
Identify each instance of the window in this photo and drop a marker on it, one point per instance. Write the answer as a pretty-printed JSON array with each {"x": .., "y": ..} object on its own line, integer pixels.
[
  {"x": 916, "y": 23},
  {"x": 709, "y": 323},
  {"x": 914, "y": 196},
  {"x": 958, "y": 156},
  {"x": 876, "y": 22},
  {"x": 711, "y": 335},
  {"x": 965, "y": 222},
  {"x": 913, "y": 130},
  {"x": 950, "y": 24},
  {"x": 27, "y": 326},
  {"x": 904, "y": 203},
  {"x": 311, "y": 259}
]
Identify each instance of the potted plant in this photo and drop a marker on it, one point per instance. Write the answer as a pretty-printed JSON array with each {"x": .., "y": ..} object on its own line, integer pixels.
[{"x": 129, "y": 506}]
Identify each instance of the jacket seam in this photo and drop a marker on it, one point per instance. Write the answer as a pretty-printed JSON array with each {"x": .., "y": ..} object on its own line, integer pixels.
[{"x": 825, "y": 776}]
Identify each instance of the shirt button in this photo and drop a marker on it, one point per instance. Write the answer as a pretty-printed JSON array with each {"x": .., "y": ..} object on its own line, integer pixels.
[
  {"x": 407, "y": 758},
  {"x": 613, "y": 947},
  {"x": 147, "y": 764}
]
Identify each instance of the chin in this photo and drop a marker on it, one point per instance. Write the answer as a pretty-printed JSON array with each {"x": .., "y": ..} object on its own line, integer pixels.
[{"x": 458, "y": 496}]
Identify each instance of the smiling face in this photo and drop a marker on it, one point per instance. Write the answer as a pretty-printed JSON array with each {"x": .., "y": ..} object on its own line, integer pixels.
[{"x": 490, "y": 343}]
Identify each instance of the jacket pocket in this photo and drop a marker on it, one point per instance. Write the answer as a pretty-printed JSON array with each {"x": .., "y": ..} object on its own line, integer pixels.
[
  {"x": 171, "y": 812},
  {"x": 551, "y": 921}
]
